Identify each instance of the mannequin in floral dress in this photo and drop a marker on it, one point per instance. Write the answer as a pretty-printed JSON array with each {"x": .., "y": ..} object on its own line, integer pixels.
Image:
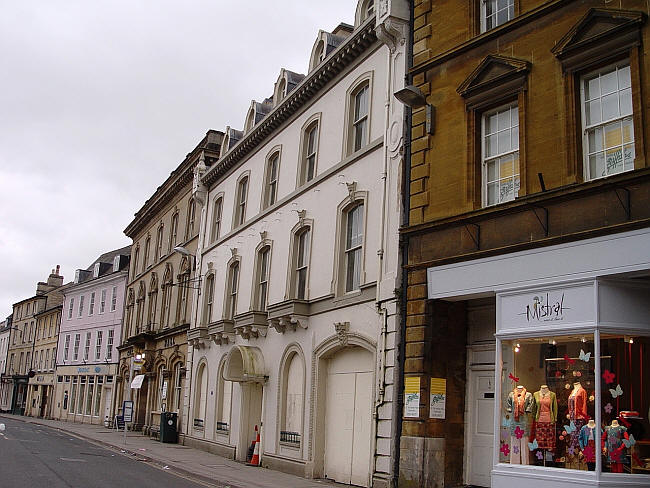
[{"x": 614, "y": 434}]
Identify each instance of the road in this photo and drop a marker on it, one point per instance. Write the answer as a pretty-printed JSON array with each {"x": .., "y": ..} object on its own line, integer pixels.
[{"x": 37, "y": 456}]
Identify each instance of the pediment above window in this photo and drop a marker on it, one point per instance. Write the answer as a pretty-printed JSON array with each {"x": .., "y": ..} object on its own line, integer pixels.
[
  {"x": 600, "y": 34},
  {"x": 495, "y": 78}
]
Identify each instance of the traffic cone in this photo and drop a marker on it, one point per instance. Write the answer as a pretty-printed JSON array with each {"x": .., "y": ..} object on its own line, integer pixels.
[{"x": 256, "y": 453}]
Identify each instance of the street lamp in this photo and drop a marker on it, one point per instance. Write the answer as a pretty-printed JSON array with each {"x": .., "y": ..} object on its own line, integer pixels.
[{"x": 412, "y": 97}]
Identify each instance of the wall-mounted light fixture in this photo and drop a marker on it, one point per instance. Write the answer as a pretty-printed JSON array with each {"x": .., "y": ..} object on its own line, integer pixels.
[{"x": 412, "y": 96}]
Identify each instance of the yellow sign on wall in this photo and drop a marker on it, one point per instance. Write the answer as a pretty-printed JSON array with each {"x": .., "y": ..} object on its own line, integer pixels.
[
  {"x": 412, "y": 396},
  {"x": 437, "y": 398}
]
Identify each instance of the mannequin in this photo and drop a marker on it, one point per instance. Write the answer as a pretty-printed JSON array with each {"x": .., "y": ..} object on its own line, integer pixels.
[
  {"x": 587, "y": 438},
  {"x": 521, "y": 405},
  {"x": 577, "y": 414},
  {"x": 614, "y": 445},
  {"x": 545, "y": 418}
]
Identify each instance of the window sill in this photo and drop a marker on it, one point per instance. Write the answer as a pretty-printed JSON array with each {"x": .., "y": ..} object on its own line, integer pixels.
[{"x": 290, "y": 445}]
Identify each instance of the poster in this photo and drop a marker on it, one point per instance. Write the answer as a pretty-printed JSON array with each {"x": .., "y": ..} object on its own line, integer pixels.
[
  {"x": 438, "y": 398},
  {"x": 412, "y": 396}
]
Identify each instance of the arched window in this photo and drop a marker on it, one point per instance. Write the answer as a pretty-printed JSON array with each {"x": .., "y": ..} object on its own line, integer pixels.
[
  {"x": 167, "y": 288},
  {"x": 189, "y": 226},
  {"x": 359, "y": 121},
  {"x": 368, "y": 9},
  {"x": 159, "y": 243},
  {"x": 301, "y": 248},
  {"x": 309, "y": 152},
  {"x": 262, "y": 278},
  {"x": 318, "y": 55},
  {"x": 293, "y": 385},
  {"x": 216, "y": 218},
  {"x": 231, "y": 291},
  {"x": 282, "y": 90},
  {"x": 177, "y": 393},
  {"x": 173, "y": 233},
  {"x": 153, "y": 302},
  {"x": 240, "y": 202},
  {"x": 209, "y": 299},
  {"x": 183, "y": 287},
  {"x": 136, "y": 261},
  {"x": 129, "y": 315},
  {"x": 145, "y": 259},
  {"x": 271, "y": 179},
  {"x": 200, "y": 396},
  {"x": 139, "y": 319},
  {"x": 250, "y": 119},
  {"x": 353, "y": 247},
  {"x": 224, "y": 403}
]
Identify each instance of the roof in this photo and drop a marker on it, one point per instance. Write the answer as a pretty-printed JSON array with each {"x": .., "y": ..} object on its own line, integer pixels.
[{"x": 108, "y": 257}]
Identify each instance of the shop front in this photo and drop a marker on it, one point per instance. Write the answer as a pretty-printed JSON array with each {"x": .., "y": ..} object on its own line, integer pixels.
[{"x": 560, "y": 396}]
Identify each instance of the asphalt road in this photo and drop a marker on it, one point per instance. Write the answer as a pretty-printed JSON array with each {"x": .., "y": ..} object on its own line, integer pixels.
[{"x": 33, "y": 456}]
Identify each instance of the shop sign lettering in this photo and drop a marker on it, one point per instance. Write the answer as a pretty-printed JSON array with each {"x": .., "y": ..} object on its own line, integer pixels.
[
  {"x": 83, "y": 370},
  {"x": 544, "y": 309}
]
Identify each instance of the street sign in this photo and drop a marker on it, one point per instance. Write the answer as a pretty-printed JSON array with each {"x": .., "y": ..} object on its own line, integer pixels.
[
  {"x": 164, "y": 391},
  {"x": 137, "y": 382},
  {"x": 127, "y": 411}
]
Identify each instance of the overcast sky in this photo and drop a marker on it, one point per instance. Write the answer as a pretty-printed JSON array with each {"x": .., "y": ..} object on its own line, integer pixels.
[{"x": 101, "y": 100}]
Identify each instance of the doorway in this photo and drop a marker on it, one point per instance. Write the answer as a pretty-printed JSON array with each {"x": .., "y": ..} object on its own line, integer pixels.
[
  {"x": 348, "y": 419},
  {"x": 480, "y": 432}
]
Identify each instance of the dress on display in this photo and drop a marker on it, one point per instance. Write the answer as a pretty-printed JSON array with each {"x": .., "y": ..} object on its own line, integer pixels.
[
  {"x": 521, "y": 405},
  {"x": 545, "y": 418},
  {"x": 578, "y": 415},
  {"x": 613, "y": 442},
  {"x": 587, "y": 438}
]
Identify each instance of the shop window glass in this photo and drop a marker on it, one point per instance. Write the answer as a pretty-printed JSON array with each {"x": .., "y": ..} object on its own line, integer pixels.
[
  {"x": 547, "y": 397},
  {"x": 625, "y": 403}
]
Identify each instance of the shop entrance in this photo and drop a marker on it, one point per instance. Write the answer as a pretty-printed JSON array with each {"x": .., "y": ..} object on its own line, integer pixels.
[
  {"x": 348, "y": 416},
  {"x": 480, "y": 392}
]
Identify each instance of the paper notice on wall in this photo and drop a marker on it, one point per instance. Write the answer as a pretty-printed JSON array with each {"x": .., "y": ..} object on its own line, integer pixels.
[
  {"x": 412, "y": 396},
  {"x": 438, "y": 398}
]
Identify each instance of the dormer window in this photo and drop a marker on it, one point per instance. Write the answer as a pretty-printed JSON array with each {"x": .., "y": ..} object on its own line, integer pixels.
[
  {"x": 96, "y": 270},
  {"x": 318, "y": 56},
  {"x": 368, "y": 9},
  {"x": 116, "y": 264},
  {"x": 250, "y": 119},
  {"x": 226, "y": 143}
]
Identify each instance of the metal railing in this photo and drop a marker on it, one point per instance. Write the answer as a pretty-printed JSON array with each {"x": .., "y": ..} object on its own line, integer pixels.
[
  {"x": 222, "y": 427},
  {"x": 292, "y": 438}
]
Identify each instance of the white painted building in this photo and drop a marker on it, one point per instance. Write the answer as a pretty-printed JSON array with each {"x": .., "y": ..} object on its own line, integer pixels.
[{"x": 294, "y": 326}]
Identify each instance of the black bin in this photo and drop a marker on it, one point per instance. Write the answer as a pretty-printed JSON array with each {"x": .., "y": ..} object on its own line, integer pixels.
[{"x": 169, "y": 427}]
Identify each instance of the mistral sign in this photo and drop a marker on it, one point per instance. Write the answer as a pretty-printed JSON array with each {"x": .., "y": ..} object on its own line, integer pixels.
[{"x": 559, "y": 306}]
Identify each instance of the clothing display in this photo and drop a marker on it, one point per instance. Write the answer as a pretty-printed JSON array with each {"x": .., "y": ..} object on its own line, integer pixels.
[
  {"x": 521, "y": 405},
  {"x": 546, "y": 406},
  {"x": 545, "y": 435},
  {"x": 519, "y": 452},
  {"x": 573, "y": 441},
  {"x": 613, "y": 442},
  {"x": 578, "y": 403},
  {"x": 587, "y": 439}
]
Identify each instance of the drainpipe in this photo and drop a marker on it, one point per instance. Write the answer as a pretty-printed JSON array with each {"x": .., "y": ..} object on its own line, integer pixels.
[{"x": 400, "y": 332}]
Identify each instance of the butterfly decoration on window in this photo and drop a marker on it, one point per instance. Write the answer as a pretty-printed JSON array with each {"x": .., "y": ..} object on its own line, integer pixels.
[
  {"x": 570, "y": 428},
  {"x": 513, "y": 378},
  {"x": 568, "y": 359},
  {"x": 617, "y": 392},
  {"x": 628, "y": 440},
  {"x": 533, "y": 445},
  {"x": 585, "y": 356},
  {"x": 608, "y": 376}
]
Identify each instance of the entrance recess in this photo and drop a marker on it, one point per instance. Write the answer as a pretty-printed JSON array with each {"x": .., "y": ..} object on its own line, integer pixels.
[
  {"x": 348, "y": 416},
  {"x": 481, "y": 426}
]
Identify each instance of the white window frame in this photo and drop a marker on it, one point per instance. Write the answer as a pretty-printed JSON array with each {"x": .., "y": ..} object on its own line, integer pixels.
[
  {"x": 271, "y": 177},
  {"x": 353, "y": 251},
  {"x": 209, "y": 298},
  {"x": 91, "y": 305},
  {"x": 495, "y": 158},
  {"x": 340, "y": 286},
  {"x": 241, "y": 199},
  {"x": 109, "y": 344},
  {"x": 66, "y": 347},
  {"x": 81, "y": 305},
  {"x": 173, "y": 233},
  {"x": 113, "y": 298},
  {"x": 621, "y": 120},
  {"x": 102, "y": 302},
  {"x": 98, "y": 344},
  {"x": 232, "y": 289},
  {"x": 87, "y": 346},
  {"x": 71, "y": 309},
  {"x": 309, "y": 153},
  {"x": 354, "y": 119},
  {"x": 75, "y": 350},
  {"x": 510, "y": 8},
  {"x": 159, "y": 242},
  {"x": 217, "y": 217},
  {"x": 261, "y": 275}
]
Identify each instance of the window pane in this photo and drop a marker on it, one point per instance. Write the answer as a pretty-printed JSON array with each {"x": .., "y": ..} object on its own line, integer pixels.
[
  {"x": 614, "y": 160},
  {"x": 504, "y": 141},
  {"x": 613, "y": 134},
  {"x": 492, "y": 171},
  {"x": 597, "y": 165},
  {"x": 624, "y": 77},
  {"x": 592, "y": 88},
  {"x": 626, "y": 101},
  {"x": 610, "y": 106},
  {"x": 628, "y": 157},
  {"x": 592, "y": 112},
  {"x": 491, "y": 146},
  {"x": 547, "y": 398},
  {"x": 492, "y": 190},
  {"x": 595, "y": 138},
  {"x": 506, "y": 168},
  {"x": 608, "y": 83},
  {"x": 625, "y": 401}
]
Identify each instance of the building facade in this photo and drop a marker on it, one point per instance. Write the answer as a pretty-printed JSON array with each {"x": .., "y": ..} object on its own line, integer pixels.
[
  {"x": 90, "y": 332},
  {"x": 40, "y": 390},
  {"x": 159, "y": 293},
  {"x": 21, "y": 346},
  {"x": 527, "y": 331},
  {"x": 294, "y": 324},
  {"x": 5, "y": 337}
]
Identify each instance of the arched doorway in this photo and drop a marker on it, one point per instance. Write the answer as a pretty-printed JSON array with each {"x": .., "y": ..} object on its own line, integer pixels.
[{"x": 245, "y": 365}]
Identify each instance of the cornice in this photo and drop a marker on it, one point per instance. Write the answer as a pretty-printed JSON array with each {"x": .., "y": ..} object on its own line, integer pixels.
[
  {"x": 173, "y": 185},
  {"x": 334, "y": 64}
]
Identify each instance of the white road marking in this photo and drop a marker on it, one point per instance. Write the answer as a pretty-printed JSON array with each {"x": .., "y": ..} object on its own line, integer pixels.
[{"x": 73, "y": 460}]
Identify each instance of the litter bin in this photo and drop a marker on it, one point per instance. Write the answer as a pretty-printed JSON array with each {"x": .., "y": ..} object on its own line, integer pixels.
[{"x": 169, "y": 427}]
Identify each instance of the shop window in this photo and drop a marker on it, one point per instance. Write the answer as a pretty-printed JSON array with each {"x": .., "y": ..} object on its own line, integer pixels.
[
  {"x": 548, "y": 396},
  {"x": 625, "y": 403},
  {"x": 549, "y": 402}
]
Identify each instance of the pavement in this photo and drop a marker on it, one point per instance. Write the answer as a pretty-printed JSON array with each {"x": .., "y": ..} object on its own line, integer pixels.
[{"x": 188, "y": 462}]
